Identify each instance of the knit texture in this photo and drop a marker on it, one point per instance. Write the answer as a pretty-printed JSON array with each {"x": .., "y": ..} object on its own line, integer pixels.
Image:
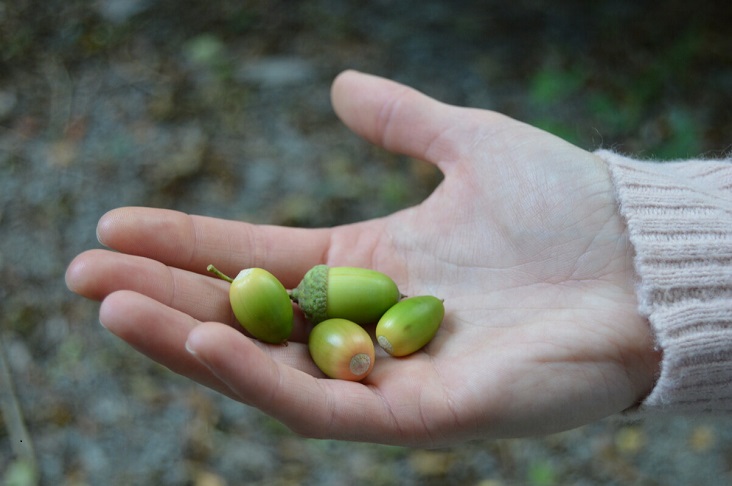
[{"x": 679, "y": 220}]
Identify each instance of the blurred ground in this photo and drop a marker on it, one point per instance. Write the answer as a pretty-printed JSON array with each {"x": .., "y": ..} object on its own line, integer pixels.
[{"x": 221, "y": 107}]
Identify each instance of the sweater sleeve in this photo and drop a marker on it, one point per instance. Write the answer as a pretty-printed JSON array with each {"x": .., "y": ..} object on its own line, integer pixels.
[{"x": 679, "y": 220}]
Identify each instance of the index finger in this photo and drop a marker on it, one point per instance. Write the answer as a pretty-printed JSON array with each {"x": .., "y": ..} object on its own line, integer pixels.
[{"x": 193, "y": 242}]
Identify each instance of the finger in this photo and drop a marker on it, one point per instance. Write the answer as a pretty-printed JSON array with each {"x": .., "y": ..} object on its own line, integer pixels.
[
  {"x": 193, "y": 242},
  {"x": 159, "y": 332},
  {"x": 310, "y": 406},
  {"x": 403, "y": 120},
  {"x": 95, "y": 274}
]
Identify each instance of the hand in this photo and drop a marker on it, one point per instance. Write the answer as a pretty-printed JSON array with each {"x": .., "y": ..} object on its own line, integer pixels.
[{"x": 522, "y": 239}]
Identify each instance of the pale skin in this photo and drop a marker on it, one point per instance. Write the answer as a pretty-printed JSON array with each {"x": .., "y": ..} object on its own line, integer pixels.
[{"x": 522, "y": 240}]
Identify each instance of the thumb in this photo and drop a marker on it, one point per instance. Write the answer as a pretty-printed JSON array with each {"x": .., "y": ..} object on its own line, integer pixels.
[
  {"x": 396, "y": 117},
  {"x": 261, "y": 376}
]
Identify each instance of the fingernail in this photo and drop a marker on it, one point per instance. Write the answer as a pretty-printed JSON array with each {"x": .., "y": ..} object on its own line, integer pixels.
[{"x": 190, "y": 349}]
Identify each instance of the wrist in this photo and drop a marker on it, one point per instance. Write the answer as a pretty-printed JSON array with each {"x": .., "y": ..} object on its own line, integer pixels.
[{"x": 681, "y": 235}]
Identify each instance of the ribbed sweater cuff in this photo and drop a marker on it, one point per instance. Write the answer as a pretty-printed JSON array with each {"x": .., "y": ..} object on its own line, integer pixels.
[{"x": 679, "y": 219}]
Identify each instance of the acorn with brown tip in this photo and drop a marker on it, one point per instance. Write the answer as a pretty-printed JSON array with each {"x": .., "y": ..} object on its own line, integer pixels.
[
  {"x": 410, "y": 324},
  {"x": 342, "y": 349}
]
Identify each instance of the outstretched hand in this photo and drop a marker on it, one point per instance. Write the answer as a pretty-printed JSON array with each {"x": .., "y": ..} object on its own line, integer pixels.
[{"x": 522, "y": 239}]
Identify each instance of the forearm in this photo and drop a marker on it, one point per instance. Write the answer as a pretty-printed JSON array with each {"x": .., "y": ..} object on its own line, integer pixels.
[{"x": 679, "y": 218}]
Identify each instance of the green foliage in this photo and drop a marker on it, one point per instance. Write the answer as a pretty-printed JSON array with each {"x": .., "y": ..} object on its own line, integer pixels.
[
  {"x": 541, "y": 473},
  {"x": 641, "y": 104},
  {"x": 551, "y": 85},
  {"x": 684, "y": 136},
  {"x": 558, "y": 127},
  {"x": 552, "y": 91},
  {"x": 612, "y": 115},
  {"x": 21, "y": 472},
  {"x": 204, "y": 50}
]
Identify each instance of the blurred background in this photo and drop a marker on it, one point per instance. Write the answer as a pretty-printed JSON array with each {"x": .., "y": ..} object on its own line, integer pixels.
[{"x": 221, "y": 107}]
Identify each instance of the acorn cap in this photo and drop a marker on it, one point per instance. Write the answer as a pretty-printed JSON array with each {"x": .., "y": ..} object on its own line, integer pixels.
[{"x": 311, "y": 295}]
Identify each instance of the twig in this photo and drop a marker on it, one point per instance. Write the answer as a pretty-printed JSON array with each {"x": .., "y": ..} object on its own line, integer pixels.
[{"x": 13, "y": 416}]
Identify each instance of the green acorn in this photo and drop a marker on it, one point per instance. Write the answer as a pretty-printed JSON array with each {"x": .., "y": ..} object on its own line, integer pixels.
[
  {"x": 357, "y": 294},
  {"x": 342, "y": 349},
  {"x": 260, "y": 303},
  {"x": 410, "y": 324}
]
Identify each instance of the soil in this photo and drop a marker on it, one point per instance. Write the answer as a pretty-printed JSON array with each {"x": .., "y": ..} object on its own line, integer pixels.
[{"x": 222, "y": 108}]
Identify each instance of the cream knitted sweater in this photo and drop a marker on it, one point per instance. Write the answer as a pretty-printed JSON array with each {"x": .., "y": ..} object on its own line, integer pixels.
[{"x": 679, "y": 218}]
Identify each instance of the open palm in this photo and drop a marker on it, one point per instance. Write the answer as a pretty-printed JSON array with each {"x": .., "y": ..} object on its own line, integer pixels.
[{"x": 521, "y": 239}]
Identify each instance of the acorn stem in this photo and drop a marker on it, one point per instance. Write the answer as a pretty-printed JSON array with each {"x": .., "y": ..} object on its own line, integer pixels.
[{"x": 219, "y": 274}]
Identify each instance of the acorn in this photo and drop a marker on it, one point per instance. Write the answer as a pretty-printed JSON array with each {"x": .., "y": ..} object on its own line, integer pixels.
[
  {"x": 410, "y": 324},
  {"x": 342, "y": 349},
  {"x": 260, "y": 303},
  {"x": 357, "y": 294}
]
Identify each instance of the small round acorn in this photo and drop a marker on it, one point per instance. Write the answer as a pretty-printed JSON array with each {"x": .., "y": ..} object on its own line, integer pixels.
[
  {"x": 260, "y": 303},
  {"x": 342, "y": 349},
  {"x": 410, "y": 324},
  {"x": 357, "y": 294}
]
